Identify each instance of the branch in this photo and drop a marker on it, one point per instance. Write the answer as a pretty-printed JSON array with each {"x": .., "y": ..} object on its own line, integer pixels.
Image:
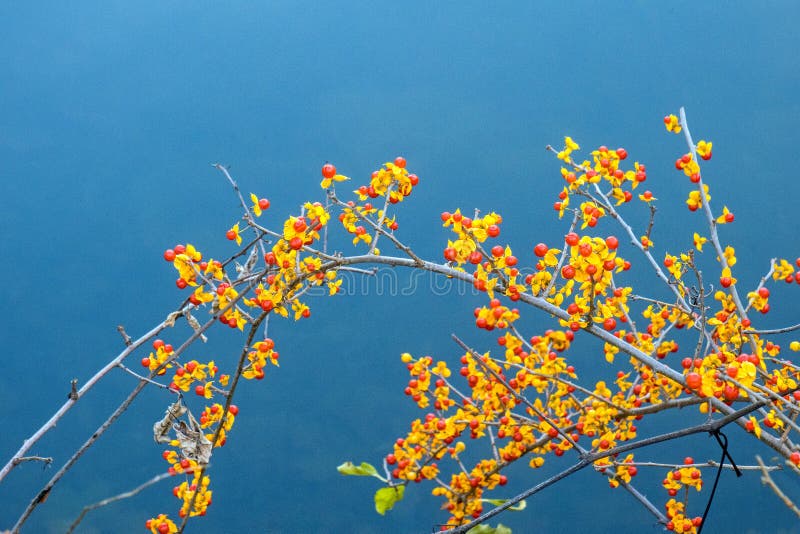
[
  {"x": 47, "y": 460},
  {"x": 44, "y": 492},
  {"x": 766, "y": 479},
  {"x": 774, "y": 331},
  {"x": 645, "y": 502},
  {"x": 51, "y": 423},
  {"x": 712, "y": 225},
  {"x": 125, "y": 495},
  {"x": 228, "y": 401},
  {"x": 709, "y": 426}
]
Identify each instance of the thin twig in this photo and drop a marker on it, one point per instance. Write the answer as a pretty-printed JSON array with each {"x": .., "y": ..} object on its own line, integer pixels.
[
  {"x": 47, "y": 460},
  {"x": 125, "y": 337},
  {"x": 645, "y": 502},
  {"x": 767, "y": 480},
  {"x": 140, "y": 377},
  {"x": 773, "y": 331},
  {"x": 125, "y": 495}
]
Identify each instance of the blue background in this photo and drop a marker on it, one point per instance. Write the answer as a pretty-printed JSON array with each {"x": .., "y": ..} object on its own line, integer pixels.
[{"x": 112, "y": 113}]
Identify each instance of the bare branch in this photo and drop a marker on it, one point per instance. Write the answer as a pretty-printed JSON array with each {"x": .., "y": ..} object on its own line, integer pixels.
[
  {"x": 47, "y": 460},
  {"x": 125, "y": 495},
  {"x": 767, "y": 480},
  {"x": 774, "y": 331}
]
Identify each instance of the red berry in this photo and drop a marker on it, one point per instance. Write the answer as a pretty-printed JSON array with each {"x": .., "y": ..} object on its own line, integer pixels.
[
  {"x": 181, "y": 283},
  {"x": 233, "y": 409},
  {"x": 694, "y": 381},
  {"x": 328, "y": 170},
  {"x": 145, "y": 362},
  {"x": 231, "y": 235},
  {"x": 511, "y": 261},
  {"x": 414, "y": 179},
  {"x": 200, "y": 390},
  {"x": 400, "y": 161},
  {"x": 571, "y": 239},
  {"x": 540, "y": 250},
  {"x": 263, "y": 203},
  {"x": 725, "y": 281},
  {"x": 497, "y": 251},
  {"x": 475, "y": 257},
  {"x": 795, "y": 458},
  {"x": 163, "y": 528},
  {"x": 610, "y": 324},
  {"x": 296, "y": 243},
  {"x": 622, "y": 153},
  {"x": 763, "y": 292},
  {"x": 612, "y": 242},
  {"x": 450, "y": 254},
  {"x": 180, "y": 249},
  {"x": 568, "y": 272},
  {"x": 169, "y": 254},
  {"x": 493, "y": 230},
  {"x": 730, "y": 393},
  {"x": 729, "y": 217}
]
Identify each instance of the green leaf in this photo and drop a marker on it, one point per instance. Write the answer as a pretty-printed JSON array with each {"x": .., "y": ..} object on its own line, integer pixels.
[
  {"x": 363, "y": 470},
  {"x": 521, "y": 505},
  {"x": 386, "y": 497},
  {"x": 486, "y": 529}
]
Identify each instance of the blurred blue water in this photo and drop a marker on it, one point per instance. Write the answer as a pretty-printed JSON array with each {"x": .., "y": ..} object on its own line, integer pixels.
[{"x": 112, "y": 113}]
